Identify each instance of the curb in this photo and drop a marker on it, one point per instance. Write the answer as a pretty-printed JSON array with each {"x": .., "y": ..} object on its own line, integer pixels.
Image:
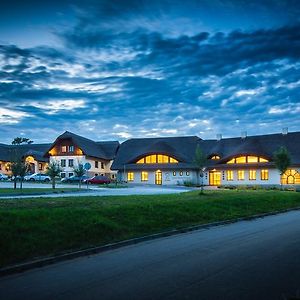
[{"x": 94, "y": 250}]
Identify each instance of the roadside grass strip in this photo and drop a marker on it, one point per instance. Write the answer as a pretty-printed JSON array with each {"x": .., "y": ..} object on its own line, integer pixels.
[{"x": 41, "y": 227}]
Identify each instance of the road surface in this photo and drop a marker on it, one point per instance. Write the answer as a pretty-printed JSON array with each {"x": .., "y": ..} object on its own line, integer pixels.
[{"x": 257, "y": 259}]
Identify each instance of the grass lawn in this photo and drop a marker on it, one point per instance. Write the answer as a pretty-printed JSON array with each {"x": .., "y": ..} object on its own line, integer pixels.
[
  {"x": 32, "y": 228},
  {"x": 34, "y": 191}
]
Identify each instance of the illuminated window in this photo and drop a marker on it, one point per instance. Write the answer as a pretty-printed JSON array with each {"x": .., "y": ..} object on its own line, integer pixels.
[
  {"x": 63, "y": 149},
  {"x": 264, "y": 174},
  {"x": 141, "y": 161},
  {"x": 263, "y": 160},
  {"x": 290, "y": 177},
  {"x": 173, "y": 160},
  {"x": 252, "y": 159},
  {"x": 240, "y": 160},
  {"x": 153, "y": 159},
  {"x": 180, "y": 173},
  {"x": 130, "y": 176},
  {"x": 174, "y": 173},
  {"x": 252, "y": 174},
  {"x": 215, "y": 157},
  {"x": 229, "y": 175},
  {"x": 144, "y": 176},
  {"x": 246, "y": 159},
  {"x": 241, "y": 174},
  {"x": 40, "y": 166},
  {"x": 71, "y": 148},
  {"x": 157, "y": 159},
  {"x": 187, "y": 173}
]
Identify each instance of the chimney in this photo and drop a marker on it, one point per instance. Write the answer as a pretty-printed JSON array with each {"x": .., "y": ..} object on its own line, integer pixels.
[
  {"x": 219, "y": 136},
  {"x": 285, "y": 130},
  {"x": 243, "y": 134}
]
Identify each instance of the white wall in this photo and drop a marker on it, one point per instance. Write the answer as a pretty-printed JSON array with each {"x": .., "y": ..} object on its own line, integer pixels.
[
  {"x": 83, "y": 159},
  {"x": 167, "y": 177}
]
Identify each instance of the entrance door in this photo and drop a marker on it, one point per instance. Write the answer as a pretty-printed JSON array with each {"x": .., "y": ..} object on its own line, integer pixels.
[
  {"x": 158, "y": 177},
  {"x": 214, "y": 178}
]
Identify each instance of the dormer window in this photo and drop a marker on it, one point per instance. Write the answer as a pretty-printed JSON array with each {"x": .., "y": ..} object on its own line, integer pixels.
[
  {"x": 247, "y": 160},
  {"x": 215, "y": 157},
  {"x": 157, "y": 159}
]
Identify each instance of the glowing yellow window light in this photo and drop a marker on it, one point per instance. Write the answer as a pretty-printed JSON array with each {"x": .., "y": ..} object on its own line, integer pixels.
[
  {"x": 29, "y": 159},
  {"x": 252, "y": 159},
  {"x": 247, "y": 159},
  {"x": 144, "y": 176},
  {"x": 241, "y": 160},
  {"x": 130, "y": 176},
  {"x": 290, "y": 176},
  {"x": 241, "y": 174},
  {"x": 263, "y": 160},
  {"x": 252, "y": 174},
  {"x": 157, "y": 159},
  {"x": 215, "y": 157}
]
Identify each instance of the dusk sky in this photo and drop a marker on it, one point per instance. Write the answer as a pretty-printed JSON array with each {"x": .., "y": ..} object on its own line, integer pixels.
[{"x": 133, "y": 68}]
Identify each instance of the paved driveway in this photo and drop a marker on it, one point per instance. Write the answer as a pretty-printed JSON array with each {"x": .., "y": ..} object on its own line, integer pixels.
[
  {"x": 253, "y": 260},
  {"x": 99, "y": 191}
]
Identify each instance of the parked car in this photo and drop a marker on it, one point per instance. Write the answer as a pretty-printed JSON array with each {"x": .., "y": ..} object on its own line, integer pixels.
[
  {"x": 3, "y": 176},
  {"x": 73, "y": 179},
  {"x": 37, "y": 177},
  {"x": 98, "y": 180}
]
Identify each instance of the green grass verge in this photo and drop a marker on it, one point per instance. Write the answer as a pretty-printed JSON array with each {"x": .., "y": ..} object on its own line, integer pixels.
[
  {"x": 32, "y": 228},
  {"x": 35, "y": 191}
]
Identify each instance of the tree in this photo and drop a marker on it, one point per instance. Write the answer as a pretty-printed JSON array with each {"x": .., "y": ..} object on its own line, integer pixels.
[
  {"x": 15, "y": 171},
  {"x": 23, "y": 169},
  {"x": 21, "y": 140},
  {"x": 282, "y": 161},
  {"x": 79, "y": 172},
  {"x": 200, "y": 162},
  {"x": 18, "y": 166},
  {"x": 53, "y": 170}
]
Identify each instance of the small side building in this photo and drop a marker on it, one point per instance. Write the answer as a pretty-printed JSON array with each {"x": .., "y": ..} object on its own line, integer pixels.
[{"x": 33, "y": 154}]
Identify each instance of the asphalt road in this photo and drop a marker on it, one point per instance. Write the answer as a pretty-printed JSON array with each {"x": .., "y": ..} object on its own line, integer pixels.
[{"x": 257, "y": 259}]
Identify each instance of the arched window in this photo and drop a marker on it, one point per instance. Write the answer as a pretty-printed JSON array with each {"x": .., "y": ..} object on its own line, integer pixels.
[
  {"x": 290, "y": 177},
  {"x": 157, "y": 159},
  {"x": 247, "y": 159}
]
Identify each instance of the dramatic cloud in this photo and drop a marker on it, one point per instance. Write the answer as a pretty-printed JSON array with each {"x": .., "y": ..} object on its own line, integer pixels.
[{"x": 121, "y": 69}]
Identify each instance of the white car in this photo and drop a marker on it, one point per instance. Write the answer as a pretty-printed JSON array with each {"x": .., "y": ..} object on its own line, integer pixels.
[
  {"x": 37, "y": 177},
  {"x": 3, "y": 176}
]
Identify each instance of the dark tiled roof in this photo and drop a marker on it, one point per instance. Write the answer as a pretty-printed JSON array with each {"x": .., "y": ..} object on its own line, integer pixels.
[
  {"x": 260, "y": 145},
  {"x": 104, "y": 150},
  {"x": 181, "y": 148},
  {"x": 8, "y": 152}
]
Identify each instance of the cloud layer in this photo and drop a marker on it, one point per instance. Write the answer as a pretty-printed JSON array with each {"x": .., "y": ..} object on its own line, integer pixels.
[{"x": 127, "y": 76}]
